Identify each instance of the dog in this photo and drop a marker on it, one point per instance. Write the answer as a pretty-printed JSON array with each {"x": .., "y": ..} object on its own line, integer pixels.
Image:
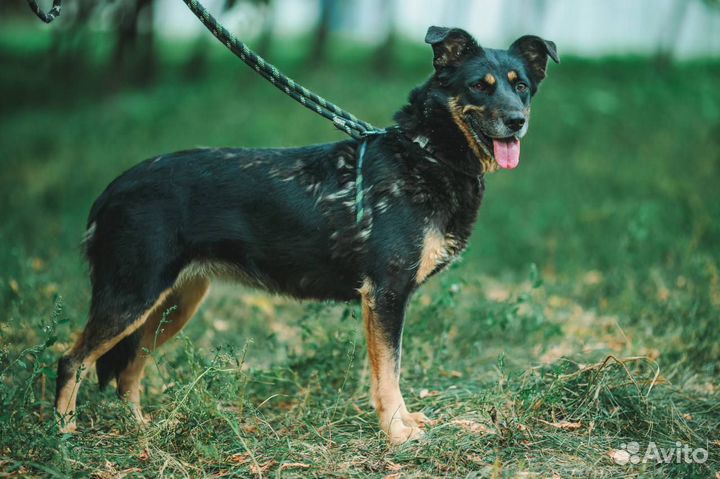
[{"x": 313, "y": 222}]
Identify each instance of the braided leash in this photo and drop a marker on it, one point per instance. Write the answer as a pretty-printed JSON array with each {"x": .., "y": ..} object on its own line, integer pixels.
[
  {"x": 50, "y": 15},
  {"x": 342, "y": 120}
]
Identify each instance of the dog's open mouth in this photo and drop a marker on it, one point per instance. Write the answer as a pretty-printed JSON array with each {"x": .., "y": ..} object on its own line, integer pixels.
[{"x": 505, "y": 151}]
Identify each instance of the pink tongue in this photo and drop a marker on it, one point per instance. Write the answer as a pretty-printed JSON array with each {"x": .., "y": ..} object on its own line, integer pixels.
[{"x": 507, "y": 152}]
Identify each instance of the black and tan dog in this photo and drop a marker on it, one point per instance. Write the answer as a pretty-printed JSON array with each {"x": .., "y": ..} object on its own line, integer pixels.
[{"x": 287, "y": 220}]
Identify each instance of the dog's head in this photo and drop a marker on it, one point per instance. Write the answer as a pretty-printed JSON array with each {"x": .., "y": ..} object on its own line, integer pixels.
[{"x": 488, "y": 91}]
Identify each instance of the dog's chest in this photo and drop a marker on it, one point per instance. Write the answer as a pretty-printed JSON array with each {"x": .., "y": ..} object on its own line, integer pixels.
[
  {"x": 446, "y": 236},
  {"x": 438, "y": 251}
]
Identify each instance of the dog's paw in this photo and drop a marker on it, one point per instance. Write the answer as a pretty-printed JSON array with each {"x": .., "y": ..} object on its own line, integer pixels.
[
  {"x": 140, "y": 418},
  {"x": 67, "y": 427},
  {"x": 401, "y": 433},
  {"x": 416, "y": 419},
  {"x": 65, "y": 422}
]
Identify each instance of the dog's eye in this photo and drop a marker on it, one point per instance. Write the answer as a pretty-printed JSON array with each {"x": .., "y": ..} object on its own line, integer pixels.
[
  {"x": 521, "y": 87},
  {"x": 480, "y": 86}
]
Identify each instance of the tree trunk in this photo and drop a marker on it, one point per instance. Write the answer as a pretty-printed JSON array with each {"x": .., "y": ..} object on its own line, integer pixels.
[
  {"x": 383, "y": 58},
  {"x": 318, "y": 54},
  {"x": 671, "y": 33},
  {"x": 268, "y": 28},
  {"x": 134, "y": 53}
]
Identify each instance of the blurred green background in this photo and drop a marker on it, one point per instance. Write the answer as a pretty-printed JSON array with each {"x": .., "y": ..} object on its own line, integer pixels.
[{"x": 605, "y": 241}]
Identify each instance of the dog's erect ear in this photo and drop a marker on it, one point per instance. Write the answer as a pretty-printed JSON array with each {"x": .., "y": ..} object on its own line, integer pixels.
[
  {"x": 534, "y": 52},
  {"x": 451, "y": 46}
]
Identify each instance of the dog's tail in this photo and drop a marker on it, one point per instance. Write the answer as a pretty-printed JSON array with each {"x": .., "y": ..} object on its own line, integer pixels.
[
  {"x": 111, "y": 364},
  {"x": 96, "y": 210}
]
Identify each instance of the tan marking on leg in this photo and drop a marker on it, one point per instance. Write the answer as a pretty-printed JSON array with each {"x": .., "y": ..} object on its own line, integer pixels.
[
  {"x": 187, "y": 297},
  {"x": 489, "y": 79},
  {"x": 385, "y": 376},
  {"x": 66, "y": 400},
  {"x": 367, "y": 292},
  {"x": 67, "y": 396},
  {"x": 129, "y": 385},
  {"x": 512, "y": 75}
]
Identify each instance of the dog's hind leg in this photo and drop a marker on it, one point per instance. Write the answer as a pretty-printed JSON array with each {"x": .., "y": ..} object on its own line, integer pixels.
[
  {"x": 383, "y": 315},
  {"x": 166, "y": 320},
  {"x": 109, "y": 323}
]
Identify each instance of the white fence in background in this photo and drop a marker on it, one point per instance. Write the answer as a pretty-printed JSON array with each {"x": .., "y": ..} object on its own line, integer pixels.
[{"x": 581, "y": 27}]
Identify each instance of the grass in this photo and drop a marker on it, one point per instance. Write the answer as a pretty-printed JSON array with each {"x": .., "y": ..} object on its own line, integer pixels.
[{"x": 583, "y": 316}]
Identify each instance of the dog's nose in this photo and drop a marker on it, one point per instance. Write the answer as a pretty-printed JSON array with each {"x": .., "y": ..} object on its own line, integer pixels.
[{"x": 515, "y": 123}]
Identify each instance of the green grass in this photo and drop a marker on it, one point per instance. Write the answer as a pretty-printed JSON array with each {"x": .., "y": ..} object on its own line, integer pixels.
[{"x": 583, "y": 316}]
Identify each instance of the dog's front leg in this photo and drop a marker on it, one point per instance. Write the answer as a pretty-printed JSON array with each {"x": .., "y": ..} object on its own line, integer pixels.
[{"x": 383, "y": 314}]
